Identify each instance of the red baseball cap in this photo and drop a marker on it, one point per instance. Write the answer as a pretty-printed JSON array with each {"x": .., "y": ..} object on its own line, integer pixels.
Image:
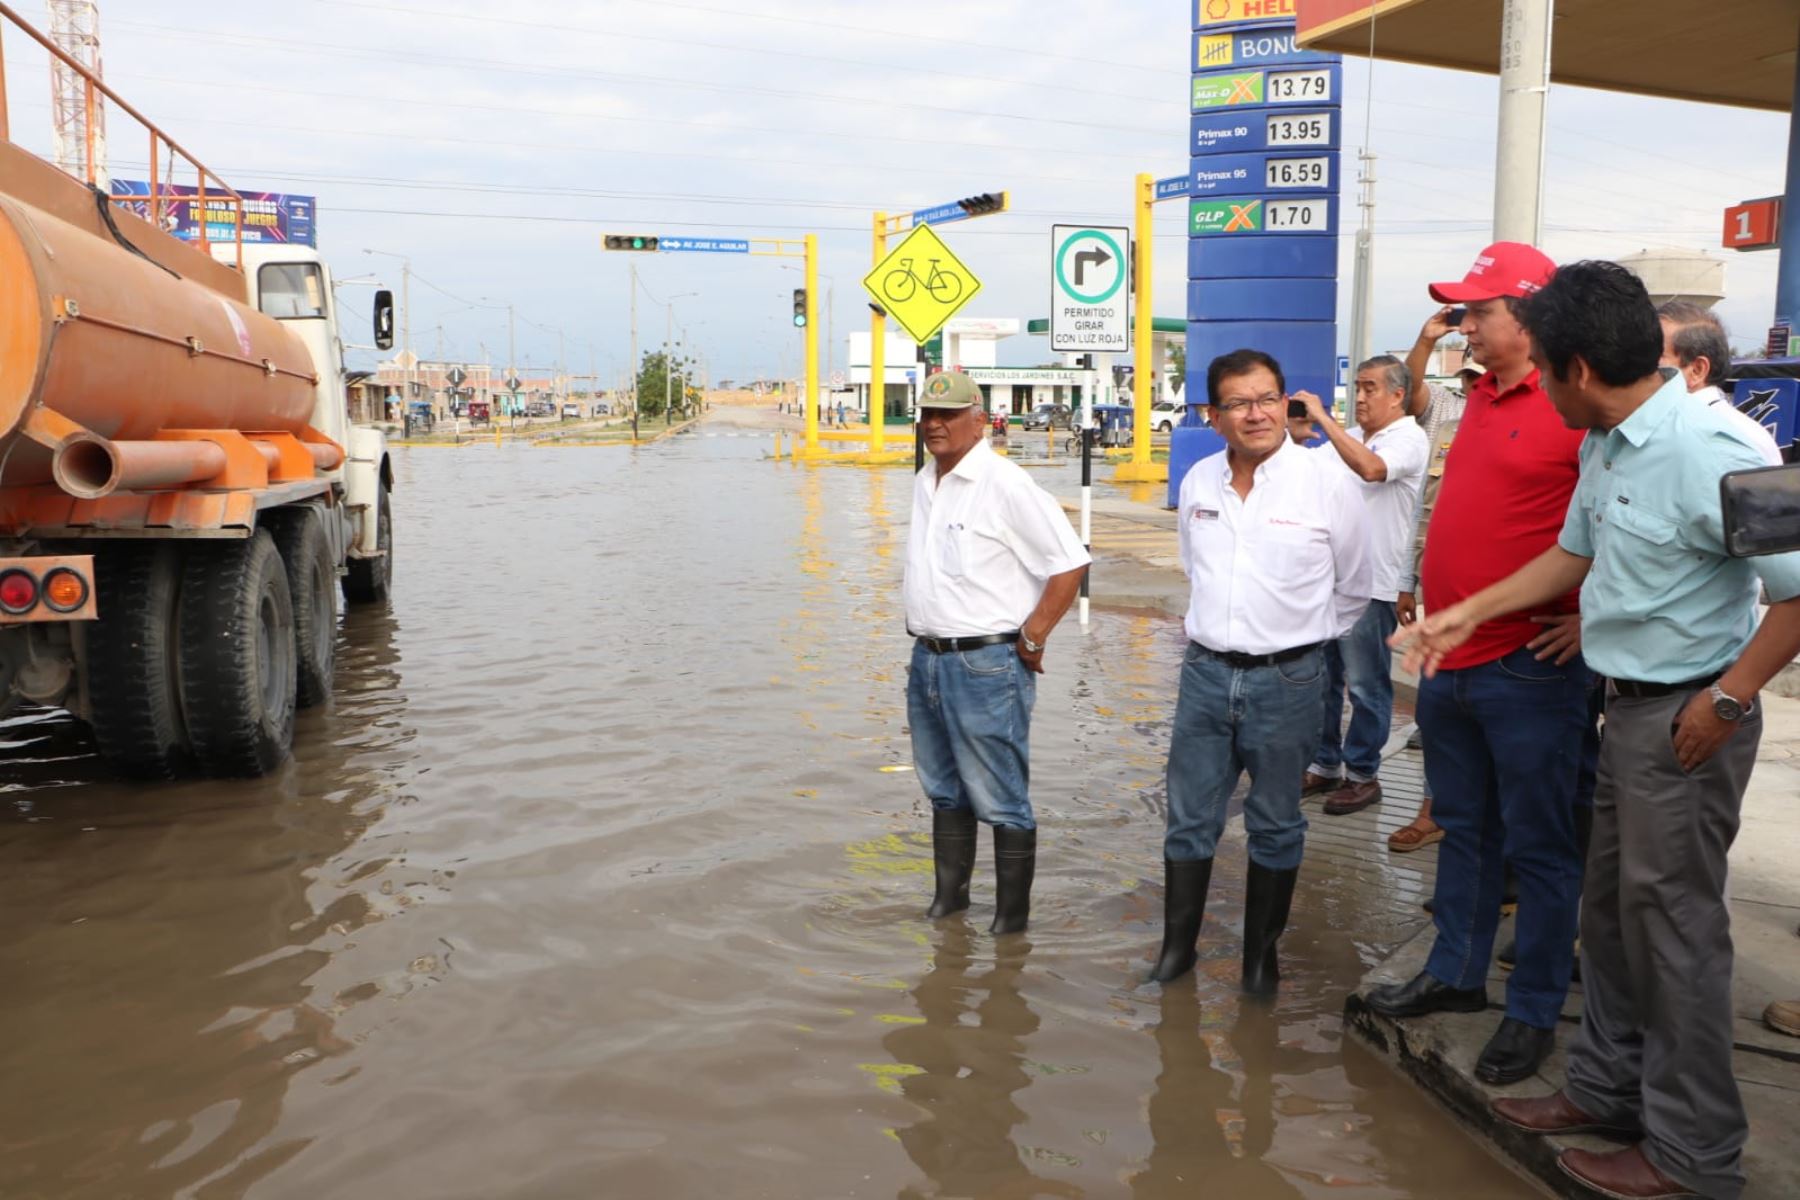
[{"x": 1503, "y": 269}]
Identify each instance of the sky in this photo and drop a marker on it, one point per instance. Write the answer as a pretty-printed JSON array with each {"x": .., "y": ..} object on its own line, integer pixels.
[{"x": 494, "y": 144}]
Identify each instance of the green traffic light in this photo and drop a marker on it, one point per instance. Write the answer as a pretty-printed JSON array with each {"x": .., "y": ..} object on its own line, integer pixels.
[
  {"x": 637, "y": 243},
  {"x": 799, "y": 320}
]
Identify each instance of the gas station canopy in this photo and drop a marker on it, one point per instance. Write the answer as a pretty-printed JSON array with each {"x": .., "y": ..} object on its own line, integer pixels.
[{"x": 1738, "y": 52}]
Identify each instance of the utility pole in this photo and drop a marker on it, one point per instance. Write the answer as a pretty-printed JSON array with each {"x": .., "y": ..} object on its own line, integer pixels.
[
  {"x": 1524, "y": 89},
  {"x": 1363, "y": 278},
  {"x": 668, "y": 365},
  {"x": 633, "y": 365}
]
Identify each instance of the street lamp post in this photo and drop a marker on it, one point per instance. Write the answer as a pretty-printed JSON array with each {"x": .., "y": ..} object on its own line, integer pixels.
[{"x": 668, "y": 365}]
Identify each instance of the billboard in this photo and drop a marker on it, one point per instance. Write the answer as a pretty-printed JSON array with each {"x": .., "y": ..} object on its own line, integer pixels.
[{"x": 268, "y": 216}]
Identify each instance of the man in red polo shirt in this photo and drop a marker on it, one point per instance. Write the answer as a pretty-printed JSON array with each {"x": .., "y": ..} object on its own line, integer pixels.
[{"x": 1504, "y": 718}]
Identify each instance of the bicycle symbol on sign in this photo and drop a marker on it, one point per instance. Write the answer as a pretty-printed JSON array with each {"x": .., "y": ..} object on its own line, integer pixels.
[{"x": 903, "y": 283}]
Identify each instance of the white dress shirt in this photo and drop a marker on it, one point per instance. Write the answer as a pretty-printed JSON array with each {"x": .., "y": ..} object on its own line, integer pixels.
[
  {"x": 982, "y": 544},
  {"x": 1288, "y": 566},
  {"x": 1758, "y": 434},
  {"x": 1393, "y": 502}
]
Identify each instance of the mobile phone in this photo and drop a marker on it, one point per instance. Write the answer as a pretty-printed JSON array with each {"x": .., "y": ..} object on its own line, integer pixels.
[
  {"x": 1455, "y": 317},
  {"x": 1296, "y": 408},
  {"x": 1762, "y": 510}
]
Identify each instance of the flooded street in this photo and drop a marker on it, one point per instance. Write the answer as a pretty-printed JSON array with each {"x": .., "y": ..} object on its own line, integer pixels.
[{"x": 602, "y": 875}]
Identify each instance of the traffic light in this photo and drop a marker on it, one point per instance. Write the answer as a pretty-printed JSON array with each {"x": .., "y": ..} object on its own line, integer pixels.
[
  {"x": 631, "y": 241},
  {"x": 984, "y": 204},
  {"x": 799, "y": 308}
]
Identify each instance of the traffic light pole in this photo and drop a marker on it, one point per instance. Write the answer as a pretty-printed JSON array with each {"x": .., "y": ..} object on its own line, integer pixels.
[
  {"x": 812, "y": 343},
  {"x": 878, "y": 353},
  {"x": 1141, "y": 469}
]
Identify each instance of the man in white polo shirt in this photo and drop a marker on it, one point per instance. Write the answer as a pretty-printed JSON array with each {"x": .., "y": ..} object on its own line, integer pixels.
[
  {"x": 1274, "y": 541},
  {"x": 991, "y": 567},
  {"x": 1387, "y": 453}
]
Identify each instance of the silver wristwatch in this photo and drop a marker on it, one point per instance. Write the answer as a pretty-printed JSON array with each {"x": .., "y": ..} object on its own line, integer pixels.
[
  {"x": 1725, "y": 707},
  {"x": 1031, "y": 647}
]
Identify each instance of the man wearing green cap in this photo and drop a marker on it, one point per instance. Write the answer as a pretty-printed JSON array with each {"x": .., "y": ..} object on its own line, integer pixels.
[{"x": 991, "y": 566}]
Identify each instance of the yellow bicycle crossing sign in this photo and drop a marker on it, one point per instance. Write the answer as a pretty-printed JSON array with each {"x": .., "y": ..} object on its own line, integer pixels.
[{"x": 921, "y": 284}]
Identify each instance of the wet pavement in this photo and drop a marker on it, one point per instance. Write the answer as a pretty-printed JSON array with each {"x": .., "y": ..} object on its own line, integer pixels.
[{"x": 601, "y": 875}]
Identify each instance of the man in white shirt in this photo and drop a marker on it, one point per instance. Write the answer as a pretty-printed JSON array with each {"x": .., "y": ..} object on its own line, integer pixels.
[
  {"x": 1274, "y": 541},
  {"x": 1694, "y": 343},
  {"x": 1387, "y": 453},
  {"x": 991, "y": 566}
]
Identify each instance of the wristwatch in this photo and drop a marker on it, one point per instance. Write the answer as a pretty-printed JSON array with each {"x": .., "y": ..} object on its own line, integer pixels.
[
  {"x": 1031, "y": 647},
  {"x": 1725, "y": 707}
]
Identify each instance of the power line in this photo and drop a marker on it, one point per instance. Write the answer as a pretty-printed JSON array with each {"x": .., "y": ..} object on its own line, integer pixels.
[
  {"x": 908, "y": 35},
  {"x": 387, "y": 55}
]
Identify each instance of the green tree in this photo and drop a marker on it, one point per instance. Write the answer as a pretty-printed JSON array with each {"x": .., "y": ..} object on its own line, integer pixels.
[
  {"x": 664, "y": 376},
  {"x": 1178, "y": 360}
]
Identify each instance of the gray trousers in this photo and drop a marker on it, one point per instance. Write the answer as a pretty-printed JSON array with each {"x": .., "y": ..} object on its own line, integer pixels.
[{"x": 1655, "y": 1041}]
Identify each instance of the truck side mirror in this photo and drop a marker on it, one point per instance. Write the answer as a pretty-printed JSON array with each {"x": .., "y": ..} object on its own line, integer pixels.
[{"x": 384, "y": 320}]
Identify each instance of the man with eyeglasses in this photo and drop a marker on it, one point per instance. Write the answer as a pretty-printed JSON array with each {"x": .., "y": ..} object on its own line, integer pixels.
[{"x": 1274, "y": 541}]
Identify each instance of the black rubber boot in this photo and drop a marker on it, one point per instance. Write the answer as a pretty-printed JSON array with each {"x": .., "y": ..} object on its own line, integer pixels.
[
  {"x": 953, "y": 852},
  {"x": 1267, "y": 897},
  {"x": 1015, "y": 862},
  {"x": 1184, "y": 905}
]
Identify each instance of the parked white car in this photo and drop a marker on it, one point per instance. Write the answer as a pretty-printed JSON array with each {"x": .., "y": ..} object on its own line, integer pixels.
[{"x": 1165, "y": 415}]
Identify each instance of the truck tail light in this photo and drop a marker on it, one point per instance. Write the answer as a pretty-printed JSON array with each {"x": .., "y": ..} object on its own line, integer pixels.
[
  {"x": 64, "y": 590},
  {"x": 18, "y": 591}
]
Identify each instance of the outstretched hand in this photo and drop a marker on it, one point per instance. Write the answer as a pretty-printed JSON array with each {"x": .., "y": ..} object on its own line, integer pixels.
[{"x": 1424, "y": 643}]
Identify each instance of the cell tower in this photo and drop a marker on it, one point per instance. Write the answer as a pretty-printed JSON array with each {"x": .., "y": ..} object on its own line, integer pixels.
[{"x": 75, "y": 28}]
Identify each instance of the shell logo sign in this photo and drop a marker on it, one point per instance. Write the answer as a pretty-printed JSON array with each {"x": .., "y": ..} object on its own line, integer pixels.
[{"x": 1232, "y": 12}]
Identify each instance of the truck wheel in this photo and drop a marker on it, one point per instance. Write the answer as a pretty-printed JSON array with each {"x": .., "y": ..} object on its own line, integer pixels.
[
  {"x": 133, "y": 673},
  {"x": 312, "y": 585},
  {"x": 237, "y": 656},
  {"x": 367, "y": 580}
]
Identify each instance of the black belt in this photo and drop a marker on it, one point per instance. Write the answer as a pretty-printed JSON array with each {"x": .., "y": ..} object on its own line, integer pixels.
[
  {"x": 1247, "y": 662},
  {"x": 953, "y": 645},
  {"x": 1635, "y": 690}
]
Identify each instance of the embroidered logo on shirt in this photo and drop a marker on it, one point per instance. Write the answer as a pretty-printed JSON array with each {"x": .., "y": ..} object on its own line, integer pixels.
[
  {"x": 1206, "y": 514},
  {"x": 1285, "y": 521}
]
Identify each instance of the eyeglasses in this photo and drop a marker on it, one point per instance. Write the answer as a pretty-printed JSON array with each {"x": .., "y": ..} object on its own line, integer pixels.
[{"x": 1269, "y": 403}]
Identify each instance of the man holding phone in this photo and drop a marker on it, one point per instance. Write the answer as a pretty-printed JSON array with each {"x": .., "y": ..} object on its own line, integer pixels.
[
  {"x": 1670, "y": 619},
  {"x": 1502, "y": 724}
]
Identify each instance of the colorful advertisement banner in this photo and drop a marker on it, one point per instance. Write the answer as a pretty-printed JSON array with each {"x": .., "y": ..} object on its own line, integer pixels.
[{"x": 269, "y": 217}]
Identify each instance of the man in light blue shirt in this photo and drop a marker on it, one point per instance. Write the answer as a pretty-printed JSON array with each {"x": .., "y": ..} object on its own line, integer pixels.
[{"x": 1670, "y": 619}]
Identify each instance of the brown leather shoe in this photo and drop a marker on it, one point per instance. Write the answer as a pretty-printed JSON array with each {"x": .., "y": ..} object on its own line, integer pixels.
[
  {"x": 1353, "y": 798},
  {"x": 1623, "y": 1174},
  {"x": 1312, "y": 785},
  {"x": 1783, "y": 1016},
  {"x": 1556, "y": 1113}
]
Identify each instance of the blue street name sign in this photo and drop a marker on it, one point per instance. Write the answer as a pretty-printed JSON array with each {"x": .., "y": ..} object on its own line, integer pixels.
[
  {"x": 1179, "y": 185},
  {"x": 939, "y": 215},
  {"x": 1265, "y": 129},
  {"x": 1270, "y": 47},
  {"x": 1291, "y": 172},
  {"x": 671, "y": 245}
]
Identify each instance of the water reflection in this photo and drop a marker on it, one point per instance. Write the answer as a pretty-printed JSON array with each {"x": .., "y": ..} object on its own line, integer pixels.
[
  {"x": 213, "y": 907},
  {"x": 968, "y": 1056}
]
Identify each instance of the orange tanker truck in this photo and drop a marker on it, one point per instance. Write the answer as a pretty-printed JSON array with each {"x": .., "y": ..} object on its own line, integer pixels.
[{"x": 182, "y": 493}]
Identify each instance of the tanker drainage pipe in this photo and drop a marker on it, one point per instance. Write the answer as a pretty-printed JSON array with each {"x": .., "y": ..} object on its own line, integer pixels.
[
  {"x": 89, "y": 467},
  {"x": 326, "y": 457}
]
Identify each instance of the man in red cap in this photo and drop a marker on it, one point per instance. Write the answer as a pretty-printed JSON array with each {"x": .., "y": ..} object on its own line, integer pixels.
[{"x": 1503, "y": 718}]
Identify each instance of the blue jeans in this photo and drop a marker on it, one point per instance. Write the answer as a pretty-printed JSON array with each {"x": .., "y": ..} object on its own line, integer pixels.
[
  {"x": 1227, "y": 721},
  {"x": 1363, "y": 659},
  {"x": 1506, "y": 742},
  {"x": 970, "y": 714}
]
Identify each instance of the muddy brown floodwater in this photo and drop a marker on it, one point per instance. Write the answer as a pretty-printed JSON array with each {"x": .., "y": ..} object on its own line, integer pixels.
[{"x": 601, "y": 875}]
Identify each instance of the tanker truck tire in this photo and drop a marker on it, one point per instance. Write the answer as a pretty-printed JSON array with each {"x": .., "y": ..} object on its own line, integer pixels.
[
  {"x": 367, "y": 580},
  {"x": 133, "y": 678},
  {"x": 312, "y": 586},
  {"x": 237, "y": 656}
]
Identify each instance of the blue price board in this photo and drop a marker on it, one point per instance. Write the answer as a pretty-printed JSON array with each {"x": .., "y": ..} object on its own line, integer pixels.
[
  {"x": 1271, "y": 257},
  {"x": 671, "y": 245},
  {"x": 1179, "y": 185},
  {"x": 1290, "y": 172},
  {"x": 1271, "y": 46},
  {"x": 1262, "y": 299},
  {"x": 1264, "y": 129},
  {"x": 1273, "y": 87}
]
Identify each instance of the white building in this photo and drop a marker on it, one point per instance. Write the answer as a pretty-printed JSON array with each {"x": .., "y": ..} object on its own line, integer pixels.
[{"x": 971, "y": 345}]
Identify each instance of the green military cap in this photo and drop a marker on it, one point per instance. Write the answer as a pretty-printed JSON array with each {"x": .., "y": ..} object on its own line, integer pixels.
[{"x": 950, "y": 389}]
